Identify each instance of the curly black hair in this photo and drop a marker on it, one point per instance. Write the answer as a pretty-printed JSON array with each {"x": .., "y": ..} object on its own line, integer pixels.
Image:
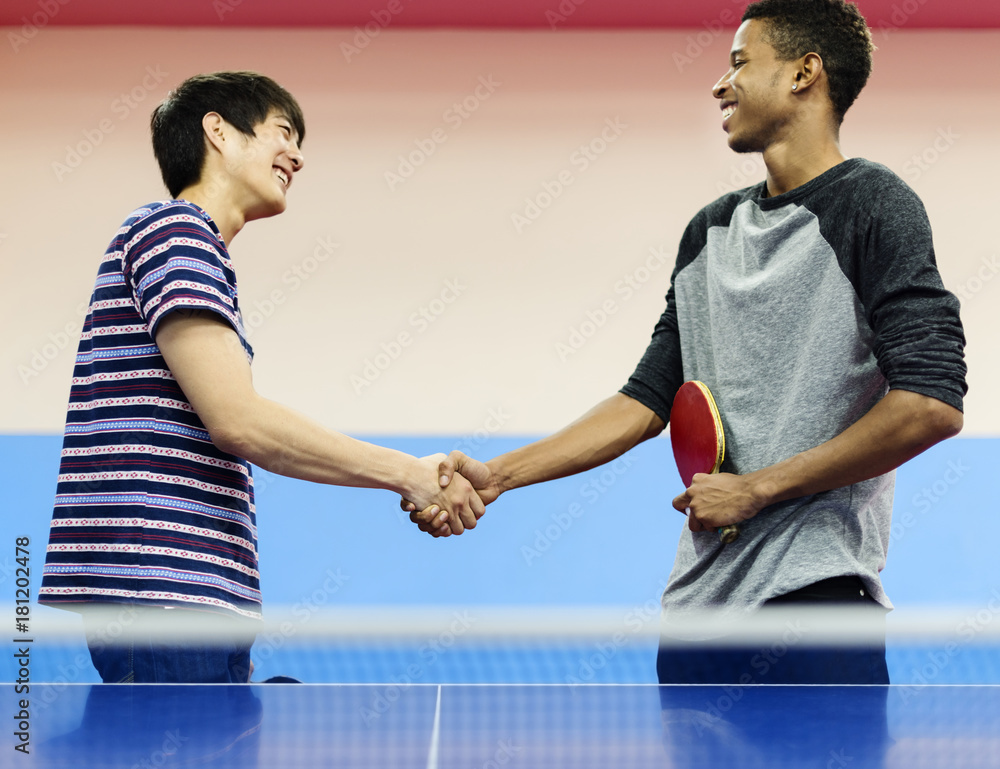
[{"x": 834, "y": 29}]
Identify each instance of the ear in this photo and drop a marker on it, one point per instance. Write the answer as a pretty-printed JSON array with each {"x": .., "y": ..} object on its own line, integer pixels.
[
  {"x": 216, "y": 130},
  {"x": 807, "y": 72}
]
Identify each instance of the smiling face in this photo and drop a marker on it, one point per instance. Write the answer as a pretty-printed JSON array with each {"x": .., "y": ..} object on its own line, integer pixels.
[
  {"x": 261, "y": 167},
  {"x": 755, "y": 94}
]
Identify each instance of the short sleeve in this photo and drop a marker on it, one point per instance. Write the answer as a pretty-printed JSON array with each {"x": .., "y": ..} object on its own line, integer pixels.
[{"x": 172, "y": 259}]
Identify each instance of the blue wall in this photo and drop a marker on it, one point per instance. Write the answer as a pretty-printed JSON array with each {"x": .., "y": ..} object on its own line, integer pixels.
[{"x": 605, "y": 537}]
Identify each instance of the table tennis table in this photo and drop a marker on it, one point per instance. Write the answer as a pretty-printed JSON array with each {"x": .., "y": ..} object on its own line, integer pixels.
[{"x": 506, "y": 725}]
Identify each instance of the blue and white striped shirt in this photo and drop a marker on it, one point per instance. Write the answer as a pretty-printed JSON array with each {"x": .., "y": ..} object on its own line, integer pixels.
[{"x": 147, "y": 509}]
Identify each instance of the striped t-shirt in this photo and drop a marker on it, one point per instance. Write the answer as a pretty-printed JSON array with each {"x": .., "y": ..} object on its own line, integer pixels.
[{"x": 147, "y": 510}]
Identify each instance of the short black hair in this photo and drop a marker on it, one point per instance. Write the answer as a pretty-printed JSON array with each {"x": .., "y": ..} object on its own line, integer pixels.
[
  {"x": 834, "y": 29},
  {"x": 243, "y": 99}
]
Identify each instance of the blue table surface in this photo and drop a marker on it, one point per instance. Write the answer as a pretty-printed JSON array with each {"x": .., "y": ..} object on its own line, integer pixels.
[{"x": 342, "y": 725}]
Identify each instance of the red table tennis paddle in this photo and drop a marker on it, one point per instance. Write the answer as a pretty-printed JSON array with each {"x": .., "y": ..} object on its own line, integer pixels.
[{"x": 697, "y": 438}]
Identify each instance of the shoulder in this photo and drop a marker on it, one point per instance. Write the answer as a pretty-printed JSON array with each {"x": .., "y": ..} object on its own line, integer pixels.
[
  {"x": 166, "y": 212},
  {"x": 875, "y": 187},
  {"x": 720, "y": 211},
  {"x": 166, "y": 219}
]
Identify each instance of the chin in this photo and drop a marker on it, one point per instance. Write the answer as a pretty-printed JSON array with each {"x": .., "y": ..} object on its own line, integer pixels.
[
  {"x": 274, "y": 208},
  {"x": 743, "y": 145},
  {"x": 748, "y": 141}
]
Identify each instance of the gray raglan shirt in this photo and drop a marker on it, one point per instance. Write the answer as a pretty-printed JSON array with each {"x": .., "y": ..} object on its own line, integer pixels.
[{"x": 799, "y": 312}]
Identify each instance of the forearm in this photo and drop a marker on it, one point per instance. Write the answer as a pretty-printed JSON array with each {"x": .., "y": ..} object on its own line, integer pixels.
[
  {"x": 901, "y": 426},
  {"x": 206, "y": 358},
  {"x": 605, "y": 432},
  {"x": 280, "y": 440}
]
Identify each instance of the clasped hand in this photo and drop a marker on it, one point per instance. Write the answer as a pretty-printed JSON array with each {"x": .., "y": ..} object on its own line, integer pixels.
[
  {"x": 455, "y": 510},
  {"x": 720, "y": 499}
]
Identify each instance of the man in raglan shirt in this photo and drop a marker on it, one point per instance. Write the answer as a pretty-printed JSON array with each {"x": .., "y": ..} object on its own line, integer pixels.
[
  {"x": 154, "y": 511},
  {"x": 811, "y": 306}
]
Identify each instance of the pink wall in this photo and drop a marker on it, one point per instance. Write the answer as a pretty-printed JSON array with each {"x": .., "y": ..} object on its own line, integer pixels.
[{"x": 496, "y": 341}]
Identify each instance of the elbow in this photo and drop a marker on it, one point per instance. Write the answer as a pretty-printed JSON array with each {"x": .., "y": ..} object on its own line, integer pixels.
[
  {"x": 230, "y": 440},
  {"x": 956, "y": 421},
  {"x": 942, "y": 421},
  {"x": 232, "y": 435}
]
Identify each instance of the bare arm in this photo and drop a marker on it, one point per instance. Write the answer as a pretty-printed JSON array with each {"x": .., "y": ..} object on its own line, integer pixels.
[
  {"x": 899, "y": 427},
  {"x": 205, "y": 356},
  {"x": 605, "y": 432}
]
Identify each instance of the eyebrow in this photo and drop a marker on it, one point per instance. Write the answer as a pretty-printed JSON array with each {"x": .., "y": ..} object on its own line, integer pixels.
[{"x": 735, "y": 53}]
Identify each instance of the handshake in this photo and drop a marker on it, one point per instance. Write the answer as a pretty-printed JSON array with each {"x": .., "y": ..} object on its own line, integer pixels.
[{"x": 465, "y": 487}]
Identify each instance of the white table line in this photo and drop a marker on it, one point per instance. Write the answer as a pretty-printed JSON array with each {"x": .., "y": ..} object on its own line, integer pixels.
[{"x": 432, "y": 756}]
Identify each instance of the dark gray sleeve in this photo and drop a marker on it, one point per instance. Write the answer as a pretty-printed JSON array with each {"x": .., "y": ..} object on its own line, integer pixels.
[
  {"x": 660, "y": 373},
  {"x": 919, "y": 343}
]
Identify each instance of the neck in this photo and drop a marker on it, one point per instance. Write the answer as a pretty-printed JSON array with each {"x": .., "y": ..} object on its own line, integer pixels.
[
  {"x": 793, "y": 162},
  {"x": 214, "y": 199}
]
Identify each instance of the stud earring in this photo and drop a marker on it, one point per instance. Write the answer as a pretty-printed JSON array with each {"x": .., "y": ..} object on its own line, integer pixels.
[{"x": 795, "y": 86}]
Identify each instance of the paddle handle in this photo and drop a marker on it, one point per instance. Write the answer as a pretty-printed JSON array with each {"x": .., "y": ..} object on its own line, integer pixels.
[{"x": 729, "y": 534}]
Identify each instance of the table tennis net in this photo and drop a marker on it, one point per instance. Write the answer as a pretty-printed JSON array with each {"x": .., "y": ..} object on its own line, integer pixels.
[{"x": 405, "y": 646}]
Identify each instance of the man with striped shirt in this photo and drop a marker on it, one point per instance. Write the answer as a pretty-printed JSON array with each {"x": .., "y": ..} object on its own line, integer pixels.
[{"x": 154, "y": 512}]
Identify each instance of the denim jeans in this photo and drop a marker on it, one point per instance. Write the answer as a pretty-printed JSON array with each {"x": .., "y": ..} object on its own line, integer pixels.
[
  {"x": 703, "y": 663},
  {"x": 716, "y": 719},
  {"x": 129, "y": 649}
]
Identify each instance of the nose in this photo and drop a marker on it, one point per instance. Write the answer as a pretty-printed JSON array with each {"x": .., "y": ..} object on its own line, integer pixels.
[
  {"x": 298, "y": 160},
  {"x": 719, "y": 89}
]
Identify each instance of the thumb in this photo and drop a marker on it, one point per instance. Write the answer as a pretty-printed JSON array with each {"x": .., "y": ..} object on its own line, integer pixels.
[
  {"x": 474, "y": 471},
  {"x": 447, "y": 468},
  {"x": 682, "y": 502}
]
